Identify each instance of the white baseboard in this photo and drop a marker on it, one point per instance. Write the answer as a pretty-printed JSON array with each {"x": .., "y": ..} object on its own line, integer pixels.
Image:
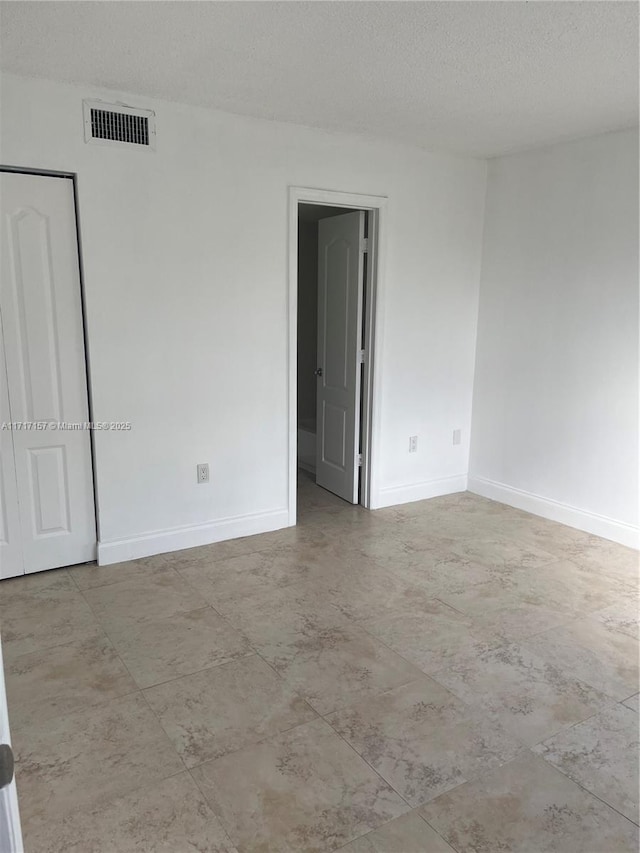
[
  {"x": 178, "y": 538},
  {"x": 590, "y": 522},
  {"x": 393, "y": 495}
]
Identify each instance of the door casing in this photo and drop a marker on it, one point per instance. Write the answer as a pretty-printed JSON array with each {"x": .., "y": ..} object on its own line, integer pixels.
[{"x": 370, "y": 429}]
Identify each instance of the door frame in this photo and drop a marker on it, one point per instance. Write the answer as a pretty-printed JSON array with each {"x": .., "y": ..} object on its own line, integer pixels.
[
  {"x": 73, "y": 177},
  {"x": 375, "y": 205}
]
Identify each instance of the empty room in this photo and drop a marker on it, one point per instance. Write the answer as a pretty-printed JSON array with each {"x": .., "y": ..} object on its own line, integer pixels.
[{"x": 319, "y": 426}]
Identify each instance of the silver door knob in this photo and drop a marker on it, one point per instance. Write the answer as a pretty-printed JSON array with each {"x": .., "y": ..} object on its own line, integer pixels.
[
  {"x": 6, "y": 765},
  {"x": 317, "y": 371}
]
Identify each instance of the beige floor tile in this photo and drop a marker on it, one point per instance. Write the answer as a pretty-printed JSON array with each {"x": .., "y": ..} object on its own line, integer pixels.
[
  {"x": 548, "y": 535},
  {"x": 434, "y": 530},
  {"x": 608, "y": 557},
  {"x": 283, "y": 615},
  {"x": 532, "y": 698},
  {"x": 516, "y": 621},
  {"x": 219, "y": 710},
  {"x": 374, "y": 593},
  {"x": 338, "y": 666},
  {"x": 56, "y": 681},
  {"x": 572, "y": 587},
  {"x": 527, "y": 806},
  {"x": 508, "y": 607},
  {"x": 170, "y": 816},
  {"x": 217, "y": 551},
  {"x": 37, "y": 582},
  {"x": 178, "y": 645},
  {"x": 140, "y": 599},
  {"x": 601, "y": 754},
  {"x": 295, "y": 538},
  {"x": 74, "y": 761},
  {"x": 90, "y": 575},
  {"x": 433, "y": 506},
  {"x": 538, "y": 598},
  {"x": 249, "y": 574},
  {"x": 312, "y": 497},
  {"x": 366, "y": 552},
  {"x": 589, "y": 651},
  {"x": 351, "y": 608},
  {"x": 502, "y": 553},
  {"x": 431, "y": 635},
  {"x": 406, "y": 834},
  {"x": 33, "y": 619},
  {"x": 299, "y": 539},
  {"x": 305, "y": 790},
  {"x": 623, "y": 616},
  {"x": 441, "y": 572},
  {"x": 422, "y": 740},
  {"x": 357, "y": 548},
  {"x": 208, "y": 554}
]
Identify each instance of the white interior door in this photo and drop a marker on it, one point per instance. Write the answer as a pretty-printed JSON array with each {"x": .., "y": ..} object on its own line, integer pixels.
[
  {"x": 41, "y": 312},
  {"x": 10, "y": 835},
  {"x": 340, "y": 287}
]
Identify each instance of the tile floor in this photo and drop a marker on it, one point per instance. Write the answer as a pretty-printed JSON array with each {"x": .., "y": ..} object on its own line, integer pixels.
[{"x": 450, "y": 675}]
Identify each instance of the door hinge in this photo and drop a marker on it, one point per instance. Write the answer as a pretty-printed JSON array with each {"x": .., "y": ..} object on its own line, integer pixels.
[
  {"x": 361, "y": 354},
  {"x": 359, "y": 460},
  {"x": 364, "y": 245}
]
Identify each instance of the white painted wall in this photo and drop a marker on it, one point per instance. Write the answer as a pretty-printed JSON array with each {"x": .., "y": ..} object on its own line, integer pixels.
[
  {"x": 555, "y": 411},
  {"x": 185, "y": 254}
]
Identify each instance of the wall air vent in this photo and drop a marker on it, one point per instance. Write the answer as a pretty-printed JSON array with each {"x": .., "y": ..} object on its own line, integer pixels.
[{"x": 117, "y": 124}]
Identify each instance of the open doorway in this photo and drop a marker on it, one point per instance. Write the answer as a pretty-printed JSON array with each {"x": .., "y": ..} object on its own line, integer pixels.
[
  {"x": 308, "y": 357},
  {"x": 335, "y": 284}
]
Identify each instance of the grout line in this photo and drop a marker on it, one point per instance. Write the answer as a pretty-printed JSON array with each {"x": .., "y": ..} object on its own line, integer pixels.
[
  {"x": 174, "y": 678},
  {"x": 164, "y": 731},
  {"x": 585, "y": 789},
  {"x": 235, "y": 842},
  {"x": 437, "y": 831},
  {"x": 362, "y": 758}
]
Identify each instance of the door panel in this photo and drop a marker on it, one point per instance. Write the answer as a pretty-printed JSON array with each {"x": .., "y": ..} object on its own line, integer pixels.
[
  {"x": 334, "y": 430},
  {"x": 336, "y": 326},
  {"x": 44, "y": 349},
  {"x": 31, "y": 282},
  {"x": 340, "y": 287},
  {"x": 50, "y": 489}
]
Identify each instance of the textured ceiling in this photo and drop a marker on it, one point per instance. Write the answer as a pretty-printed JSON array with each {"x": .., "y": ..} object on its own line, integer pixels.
[{"x": 480, "y": 78}]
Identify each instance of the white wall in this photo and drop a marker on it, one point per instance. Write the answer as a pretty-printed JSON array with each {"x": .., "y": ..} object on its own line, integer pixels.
[
  {"x": 555, "y": 410},
  {"x": 185, "y": 254}
]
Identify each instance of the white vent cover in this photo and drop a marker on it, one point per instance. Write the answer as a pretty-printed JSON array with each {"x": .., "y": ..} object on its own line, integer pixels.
[{"x": 117, "y": 124}]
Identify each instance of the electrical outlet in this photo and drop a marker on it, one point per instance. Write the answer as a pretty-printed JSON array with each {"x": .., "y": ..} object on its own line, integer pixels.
[
  {"x": 413, "y": 443},
  {"x": 203, "y": 472},
  {"x": 457, "y": 436}
]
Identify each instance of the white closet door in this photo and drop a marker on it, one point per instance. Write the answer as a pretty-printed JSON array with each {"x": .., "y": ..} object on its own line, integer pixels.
[
  {"x": 340, "y": 285},
  {"x": 10, "y": 538},
  {"x": 41, "y": 311}
]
